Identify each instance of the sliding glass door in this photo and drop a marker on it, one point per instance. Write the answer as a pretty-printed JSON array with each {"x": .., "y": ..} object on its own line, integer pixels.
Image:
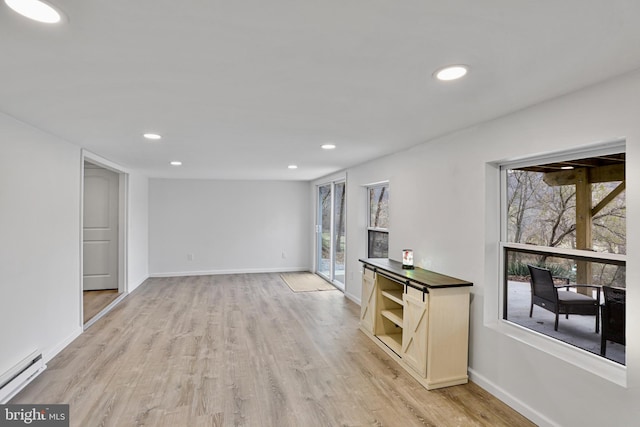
[
  {"x": 324, "y": 230},
  {"x": 339, "y": 237},
  {"x": 331, "y": 238}
]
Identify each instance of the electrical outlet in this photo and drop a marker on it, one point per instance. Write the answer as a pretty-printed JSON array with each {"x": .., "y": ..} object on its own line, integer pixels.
[
  {"x": 284, "y": 255},
  {"x": 189, "y": 257}
]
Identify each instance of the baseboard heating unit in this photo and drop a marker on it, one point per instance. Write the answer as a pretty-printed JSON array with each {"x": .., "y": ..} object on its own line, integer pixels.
[{"x": 17, "y": 378}]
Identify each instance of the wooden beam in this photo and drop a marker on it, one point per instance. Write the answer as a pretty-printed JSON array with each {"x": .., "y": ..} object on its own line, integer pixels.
[
  {"x": 604, "y": 202},
  {"x": 596, "y": 174},
  {"x": 606, "y": 173},
  {"x": 583, "y": 223},
  {"x": 564, "y": 177}
]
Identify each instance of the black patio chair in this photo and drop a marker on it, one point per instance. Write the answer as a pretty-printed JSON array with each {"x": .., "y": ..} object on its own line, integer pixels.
[
  {"x": 546, "y": 294},
  {"x": 613, "y": 317}
]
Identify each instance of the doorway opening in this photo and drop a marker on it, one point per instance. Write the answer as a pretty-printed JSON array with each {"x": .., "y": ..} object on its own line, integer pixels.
[
  {"x": 103, "y": 239},
  {"x": 331, "y": 233}
]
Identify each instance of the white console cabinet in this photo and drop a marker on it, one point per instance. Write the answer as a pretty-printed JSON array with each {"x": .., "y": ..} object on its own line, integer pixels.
[{"x": 418, "y": 317}]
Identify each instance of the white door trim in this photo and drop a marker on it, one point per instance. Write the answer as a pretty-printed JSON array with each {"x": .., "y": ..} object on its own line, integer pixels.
[{"x": 123, "y": 210}]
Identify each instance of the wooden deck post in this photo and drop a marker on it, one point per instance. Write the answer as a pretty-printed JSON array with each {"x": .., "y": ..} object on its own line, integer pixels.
[{"x": 584, "y": 222}]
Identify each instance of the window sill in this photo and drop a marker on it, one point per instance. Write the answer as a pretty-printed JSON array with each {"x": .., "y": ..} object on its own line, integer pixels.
[{"x": 592, "y": 363}]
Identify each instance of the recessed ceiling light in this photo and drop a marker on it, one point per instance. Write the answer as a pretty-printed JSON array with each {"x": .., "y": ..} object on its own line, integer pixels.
[
  {"x": 293, "y": 166},
  {"x": 451, "y": 72},
  {"x": 328, "y": 146},
  {"x": 153, "y": 136},
  {"x": 566, "y": 167},
  {"x": 176, "y": 163},
  {"x": 36, "y": 10}
]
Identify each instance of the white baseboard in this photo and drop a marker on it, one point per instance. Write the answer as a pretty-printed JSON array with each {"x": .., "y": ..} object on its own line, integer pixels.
[
  {"x": 134, "y": 285},
  {"x": 515, "y": 403},
  {"x": 353, "y": 298},
  {"x": 238, "y": 271},
  {"x": 52, "y": 352}
]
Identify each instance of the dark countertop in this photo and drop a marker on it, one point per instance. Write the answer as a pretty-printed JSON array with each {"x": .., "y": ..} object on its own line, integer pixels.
[{"x": 418, "y": 275}]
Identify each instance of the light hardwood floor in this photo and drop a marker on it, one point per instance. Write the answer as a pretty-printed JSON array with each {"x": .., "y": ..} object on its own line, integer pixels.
[
  {"x": 243, "y": 350},
  {"x": 94, "y": 301}
]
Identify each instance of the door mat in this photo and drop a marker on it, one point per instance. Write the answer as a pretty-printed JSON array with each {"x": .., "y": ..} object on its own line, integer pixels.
[{"x": 306, "y": 282}]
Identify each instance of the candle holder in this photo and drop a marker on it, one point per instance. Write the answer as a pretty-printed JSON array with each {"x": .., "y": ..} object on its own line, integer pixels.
[{"x": 407, "y": 259}]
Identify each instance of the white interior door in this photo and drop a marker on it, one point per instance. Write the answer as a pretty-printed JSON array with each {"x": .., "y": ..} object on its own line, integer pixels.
[{"x": 100, "y": 237}]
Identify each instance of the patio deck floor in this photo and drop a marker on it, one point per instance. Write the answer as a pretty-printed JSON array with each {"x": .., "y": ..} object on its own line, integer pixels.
[{"x": 578, "y": 330}]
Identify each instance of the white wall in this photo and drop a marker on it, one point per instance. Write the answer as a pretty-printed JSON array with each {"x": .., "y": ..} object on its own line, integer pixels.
[
  {"x": 443, "y": 201},
  {"x": 40, "y": 283},
  {"x": 138, "y": 230},
  {"x": 228, "y": 226},
  {"x": 39, "y": 241}
]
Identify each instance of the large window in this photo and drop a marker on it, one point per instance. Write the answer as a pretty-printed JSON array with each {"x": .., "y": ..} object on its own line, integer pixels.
[
  {"x": 378, "y": 225},
  {"x": 567, "y": 217}
]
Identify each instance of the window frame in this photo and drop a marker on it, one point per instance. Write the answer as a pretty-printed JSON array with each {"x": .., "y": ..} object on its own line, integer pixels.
[
  {"x": 370, "y": 229},
  {"x": 580, "y": 358}
]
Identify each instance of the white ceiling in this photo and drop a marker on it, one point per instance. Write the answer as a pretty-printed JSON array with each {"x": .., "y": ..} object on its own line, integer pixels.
[{"x": 240, "y": 89}]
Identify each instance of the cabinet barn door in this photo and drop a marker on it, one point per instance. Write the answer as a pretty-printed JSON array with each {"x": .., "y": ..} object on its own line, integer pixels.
[
  {"x": 368, "y": 308},
  {"x": 414, "y": 333}
]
